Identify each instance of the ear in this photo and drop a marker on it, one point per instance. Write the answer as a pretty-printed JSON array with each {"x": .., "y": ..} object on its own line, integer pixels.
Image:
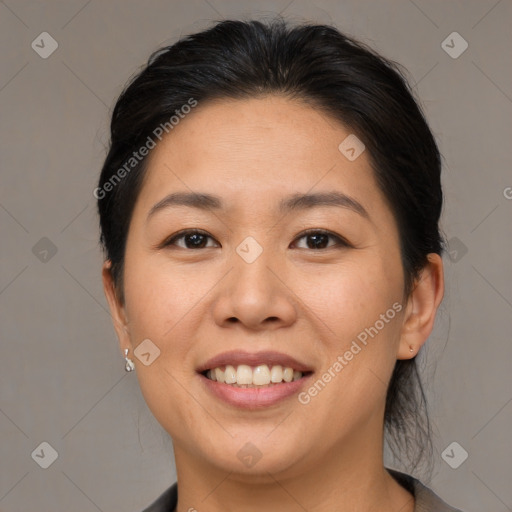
[
  {"x": 421, "y": 309},
  {"x": 117, "y": 308}
]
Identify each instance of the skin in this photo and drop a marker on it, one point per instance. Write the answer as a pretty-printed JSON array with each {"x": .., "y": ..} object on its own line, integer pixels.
[{"x": 306, "y": 302}]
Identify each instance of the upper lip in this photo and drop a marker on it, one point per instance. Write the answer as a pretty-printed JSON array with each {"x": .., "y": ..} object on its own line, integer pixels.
[{"x": 237, "y": 357}]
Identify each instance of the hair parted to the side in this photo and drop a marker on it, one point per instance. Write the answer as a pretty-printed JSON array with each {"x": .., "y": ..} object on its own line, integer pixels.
[{"x": 335, "y": 74}]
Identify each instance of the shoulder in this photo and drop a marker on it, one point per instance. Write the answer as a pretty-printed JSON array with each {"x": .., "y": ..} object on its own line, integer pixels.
[
  {"x": 166, "y": 502},
  {"x": 426, "y": 500}
]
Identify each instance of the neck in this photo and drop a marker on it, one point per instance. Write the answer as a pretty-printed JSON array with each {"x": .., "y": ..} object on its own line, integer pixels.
[{"x": 346, "y": 477}]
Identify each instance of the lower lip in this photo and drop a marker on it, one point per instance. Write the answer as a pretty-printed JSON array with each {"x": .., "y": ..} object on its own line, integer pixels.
[{"x": 254, "y": 398}]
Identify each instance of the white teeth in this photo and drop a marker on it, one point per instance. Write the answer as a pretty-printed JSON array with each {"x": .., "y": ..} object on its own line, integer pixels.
[
  {"x": 276, "y": 374},
  {"x": 230, "y": 375},
  {"x": 219, "y": 375},
  {"x": 245, "y": 376},
  {"x": 288, "y": 374},
  {"x": 260, "y": 375}
]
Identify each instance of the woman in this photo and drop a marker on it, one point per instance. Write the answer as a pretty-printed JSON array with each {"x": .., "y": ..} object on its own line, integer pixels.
[{"x": 269, "y": 209}]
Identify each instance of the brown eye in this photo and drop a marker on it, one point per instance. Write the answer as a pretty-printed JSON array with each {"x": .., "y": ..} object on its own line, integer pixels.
[
  {"x": 319, "y": 239},
  {"x": 191, "y": 239}
]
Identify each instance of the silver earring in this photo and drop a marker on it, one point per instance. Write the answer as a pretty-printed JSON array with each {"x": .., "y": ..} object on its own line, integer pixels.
[
  {"x": 411, "y": 349},
  {"x": 128, "y": 366}
]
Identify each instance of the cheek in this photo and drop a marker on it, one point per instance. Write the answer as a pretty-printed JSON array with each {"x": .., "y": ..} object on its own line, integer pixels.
[
  {"x": 361, "y": 306},
  {"x": 160, "y": 307},
  {"x": 351, "y": 296},
  {"x": 160, "y": 298}
]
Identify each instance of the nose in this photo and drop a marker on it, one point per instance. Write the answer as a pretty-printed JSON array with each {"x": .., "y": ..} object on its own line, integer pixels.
[{"x": 255, "y": 295}]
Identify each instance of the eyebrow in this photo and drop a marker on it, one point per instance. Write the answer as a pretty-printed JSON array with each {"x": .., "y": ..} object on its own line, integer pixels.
[{"x": 293, "y": 202}]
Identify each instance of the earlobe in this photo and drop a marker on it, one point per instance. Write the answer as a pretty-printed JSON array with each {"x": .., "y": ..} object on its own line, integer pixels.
[
  {"x": 117, "y": 308},
  {"x": 422, "y": 307}
]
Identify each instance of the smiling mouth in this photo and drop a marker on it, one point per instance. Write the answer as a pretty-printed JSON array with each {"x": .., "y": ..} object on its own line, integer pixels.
[{"x": 261, "y": 376}]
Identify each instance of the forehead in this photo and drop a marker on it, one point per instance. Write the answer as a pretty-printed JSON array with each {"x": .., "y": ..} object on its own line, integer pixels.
[
  {"x": 257, "y": 149},
  {"x": 271, "y": 128}
]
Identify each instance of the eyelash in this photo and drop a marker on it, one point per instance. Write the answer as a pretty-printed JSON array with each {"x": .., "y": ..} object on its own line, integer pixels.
[{"x": 341, "y": 242}]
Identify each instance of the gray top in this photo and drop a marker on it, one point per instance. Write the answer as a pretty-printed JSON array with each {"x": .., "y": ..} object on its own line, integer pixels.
[{"x": 426, "y": 500}]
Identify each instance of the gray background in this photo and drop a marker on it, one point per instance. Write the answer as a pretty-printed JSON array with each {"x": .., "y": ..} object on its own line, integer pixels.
[{"x": 61, "y": 373}]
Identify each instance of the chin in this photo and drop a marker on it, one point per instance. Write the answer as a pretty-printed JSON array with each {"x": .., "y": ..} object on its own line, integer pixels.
[{"x": 256, "y": 456}]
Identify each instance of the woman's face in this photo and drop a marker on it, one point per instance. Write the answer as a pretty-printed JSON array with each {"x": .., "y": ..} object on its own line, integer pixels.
[{"x": 251, "y": 288}]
